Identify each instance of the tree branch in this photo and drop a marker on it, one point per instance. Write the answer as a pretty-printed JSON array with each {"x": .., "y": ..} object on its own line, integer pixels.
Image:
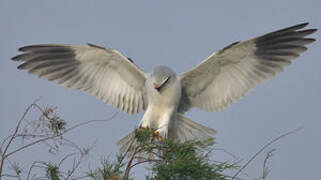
[
  {"x": 264, "y": 147},
  {"x": 4, "y": 155}
]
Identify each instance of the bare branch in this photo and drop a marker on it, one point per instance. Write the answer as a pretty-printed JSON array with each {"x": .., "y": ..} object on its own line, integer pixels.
[
  {"x": 263, "y": 148},
  {"x": 4, "y": 153},
  {"x": 33, "y": 166},
  {"x": 91, "y": 121},
  {"x": 130, "y": 162},
  {"x": 9, "y": 175},
  {"x": 52, "y": 137},
  {"x": 74, "y": 168},
  {"x": 145, "y": 161},
  {"x": 47, "y": 132},
  {"x": 66, "y": 157}
]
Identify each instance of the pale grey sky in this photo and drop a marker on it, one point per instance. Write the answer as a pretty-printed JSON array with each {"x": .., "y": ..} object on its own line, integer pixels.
[{"x": 179, "y": 34}]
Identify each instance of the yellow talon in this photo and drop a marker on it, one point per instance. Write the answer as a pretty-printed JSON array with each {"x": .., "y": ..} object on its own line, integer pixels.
[
  {"x": 159, "y": 138},
  {"x": 156, "y": 134}
]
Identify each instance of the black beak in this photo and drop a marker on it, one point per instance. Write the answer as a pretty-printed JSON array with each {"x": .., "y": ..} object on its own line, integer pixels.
[{"x": 158, "y": 88}]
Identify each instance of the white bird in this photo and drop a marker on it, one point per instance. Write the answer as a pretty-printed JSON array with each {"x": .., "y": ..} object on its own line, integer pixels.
[{"x": 220, "y": 80}]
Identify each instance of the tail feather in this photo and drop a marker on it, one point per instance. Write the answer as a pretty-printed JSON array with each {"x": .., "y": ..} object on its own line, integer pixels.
[
  {"x": 195, "y": 125},
  {"x": 127, "y": 142},
  {"x": 182, "y": 129},
  {"x": 185, "y": 129}
]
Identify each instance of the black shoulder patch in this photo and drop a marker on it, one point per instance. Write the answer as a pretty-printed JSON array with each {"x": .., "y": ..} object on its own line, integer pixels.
[
  {"x": 129, "y": 59},
  {"x": 235, "y": 43},
  {"x": 96, "y": 46}
]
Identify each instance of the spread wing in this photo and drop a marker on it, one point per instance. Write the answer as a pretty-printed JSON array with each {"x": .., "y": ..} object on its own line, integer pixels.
[
  {"x": 104, "y": 73},
  {"x": 227, "y": 75}
]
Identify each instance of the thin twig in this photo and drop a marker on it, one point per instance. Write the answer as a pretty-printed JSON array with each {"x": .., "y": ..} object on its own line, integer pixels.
[
  {"x": 8, "y": 175},
  {"x": 130, "y": 162},
  {"x": 74, "y": 167},
  {"x": 52, "y": 137},
  {"x": 42, "y": 138},
  {"x": 145, "y": 161},
  {"x": 30, "y": 169},
  {"x": 227, "y": 152},
  {"x": 4, "y": 155},
  {"x": 91, "y": 121},
  {"x": 42, "y": 165},
  {"x": 15, "y": 167},
  {"x": 31, "y": 144},
  {"x": 264, "y": 147},
  {"x": 228, "y": 176},
  {"x": 66, "y": 157}
]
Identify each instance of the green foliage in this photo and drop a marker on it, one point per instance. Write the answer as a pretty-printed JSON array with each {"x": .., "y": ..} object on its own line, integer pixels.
[
  {"x": 108, "y": 170},
  {"x": 169, "y": 159},
  {"x": 57, "y": 125},
  {"x": 187, "y": 161},
  {"x": 143, "y": 135},
  {"x": 52, "y": 172}
]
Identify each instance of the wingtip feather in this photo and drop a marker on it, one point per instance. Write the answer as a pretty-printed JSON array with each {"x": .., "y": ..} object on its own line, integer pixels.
[
  {"x": 23, "y": 48},
  {"x": 298, "y": 26},
  {"x": 16, "y": 58}
]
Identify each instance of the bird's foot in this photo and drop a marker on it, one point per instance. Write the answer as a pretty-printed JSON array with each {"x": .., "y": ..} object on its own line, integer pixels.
[
  {"x": 144, "y": 127},
  {"x": 156, "y": 135}
]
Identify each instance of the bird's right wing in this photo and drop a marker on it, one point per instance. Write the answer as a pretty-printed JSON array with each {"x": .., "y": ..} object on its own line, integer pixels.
[
  {"x": 104, "y": 73},
  {"x": 227, "y": 75}
]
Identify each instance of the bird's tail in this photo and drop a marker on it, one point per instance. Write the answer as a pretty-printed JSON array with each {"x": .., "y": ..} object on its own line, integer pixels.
[
  {"x": 182, "y": 129},
  {"x": 185, "y": 129},
  {"x": 127, "y": 142}
]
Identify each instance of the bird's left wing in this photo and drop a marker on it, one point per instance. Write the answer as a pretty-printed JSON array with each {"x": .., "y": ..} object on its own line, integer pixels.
[
  {"x": 229, "y": 74},
  {"x": 104, "y": 73}
]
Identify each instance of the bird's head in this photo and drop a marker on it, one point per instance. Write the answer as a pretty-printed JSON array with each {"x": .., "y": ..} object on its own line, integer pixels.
[{"x": 161, "y": 77}]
